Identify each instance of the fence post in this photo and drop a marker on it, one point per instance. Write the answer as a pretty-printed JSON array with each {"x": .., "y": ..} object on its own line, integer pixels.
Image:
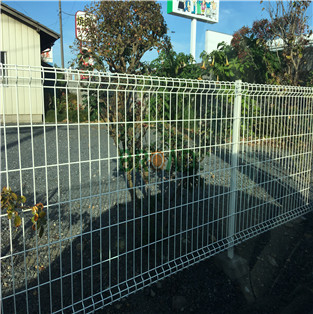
[{"x": 234, "y": 165}]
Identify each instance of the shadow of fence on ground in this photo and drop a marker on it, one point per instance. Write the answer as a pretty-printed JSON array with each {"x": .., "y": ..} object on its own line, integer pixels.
[{"x": 124, "y": 249}]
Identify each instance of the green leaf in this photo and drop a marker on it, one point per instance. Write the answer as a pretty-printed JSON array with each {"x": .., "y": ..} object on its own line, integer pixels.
[
  {"x": 42, "y": 214},
  {"x": 17, "y": 221},
  {"x": 41, "y": 231}
]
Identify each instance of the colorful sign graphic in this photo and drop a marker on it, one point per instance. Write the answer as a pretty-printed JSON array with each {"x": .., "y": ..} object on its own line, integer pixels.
[
  {"x": 47, "y": 55},
  {"x": 203, "y": 10},
  {"x": 81, "y": 29}
]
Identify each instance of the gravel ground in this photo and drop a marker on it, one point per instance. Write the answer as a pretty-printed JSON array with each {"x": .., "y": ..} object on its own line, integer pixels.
[{"x": 93, "y": 196}]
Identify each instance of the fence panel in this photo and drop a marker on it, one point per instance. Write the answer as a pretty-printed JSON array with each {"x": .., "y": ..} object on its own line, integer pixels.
[{"x": 141, "y": 177}]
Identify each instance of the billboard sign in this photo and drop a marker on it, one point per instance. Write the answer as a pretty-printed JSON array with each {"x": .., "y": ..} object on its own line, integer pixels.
[
  {"x": 81, "y": 30},
  {"x": 203, "y": 10},
  {"x": 47, "y": 55}
]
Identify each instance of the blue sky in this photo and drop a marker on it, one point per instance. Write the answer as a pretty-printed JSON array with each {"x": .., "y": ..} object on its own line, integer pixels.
[{"x": 233, "y": 15}]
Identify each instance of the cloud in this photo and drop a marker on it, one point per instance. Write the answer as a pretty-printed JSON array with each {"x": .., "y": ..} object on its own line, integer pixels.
[{"x": 226, "y": 12}]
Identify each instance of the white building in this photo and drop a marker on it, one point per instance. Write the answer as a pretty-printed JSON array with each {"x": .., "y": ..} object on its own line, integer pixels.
[
  {"x": 22, "y": 40},
  {"x": 212, "y": 39},
  {"x": 278, "y": 44}
]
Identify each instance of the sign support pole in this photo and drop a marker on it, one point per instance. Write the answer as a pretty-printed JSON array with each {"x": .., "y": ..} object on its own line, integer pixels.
[{"x": 193, "y": 35}]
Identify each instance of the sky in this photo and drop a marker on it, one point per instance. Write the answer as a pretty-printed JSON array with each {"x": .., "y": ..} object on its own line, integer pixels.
[{"x": 232, "y": 16}]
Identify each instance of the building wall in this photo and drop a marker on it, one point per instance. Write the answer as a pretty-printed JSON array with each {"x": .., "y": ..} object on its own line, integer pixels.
[
  {"x": 22, "y": 46},
  {"x": 212, "y": 39}
]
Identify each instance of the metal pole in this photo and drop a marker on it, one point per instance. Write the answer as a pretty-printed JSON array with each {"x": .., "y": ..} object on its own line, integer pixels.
[
  {"x": 61, "y": 34},
  {"x": 234, "y": 165},
  {"x": 193, "y": 34}
]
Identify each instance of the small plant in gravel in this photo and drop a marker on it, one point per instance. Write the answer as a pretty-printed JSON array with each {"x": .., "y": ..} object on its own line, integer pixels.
[{"x": 13, "y": 203}]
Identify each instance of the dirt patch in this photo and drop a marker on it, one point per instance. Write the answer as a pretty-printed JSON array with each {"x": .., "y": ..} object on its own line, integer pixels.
[{"x": 281, "y": 272}]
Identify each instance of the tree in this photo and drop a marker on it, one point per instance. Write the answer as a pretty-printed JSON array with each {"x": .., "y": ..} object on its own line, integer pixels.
[
  {"x": 121, "y": 32},
  {"x": 251, "y": 45},
  {"x": 172, "y": 64},
  {"x": 257, "y": 47},
  {"x": 290, "y": 26},
  {"x": 222, "y": 63}
]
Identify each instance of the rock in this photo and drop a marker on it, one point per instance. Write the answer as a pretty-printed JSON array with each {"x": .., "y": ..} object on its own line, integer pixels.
[
  {"x": 31, "y": 261},
  {"x": 234, "y": 268},
  {"x": 272, "y": 261},
  {"x": 79, "y": 247},
  {"x": 139, "y": 194},
  {"x": 152, "y": 293},
  {"x": 118, "y": 306},
  {"x": 247, "y": 289},
  {"x": 289, "y": 225},
  {"x": 178, "y": 303},
  {"x": 120, "y": 244}
]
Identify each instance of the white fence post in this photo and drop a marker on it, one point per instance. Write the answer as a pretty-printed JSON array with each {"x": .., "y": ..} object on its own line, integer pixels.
[{"x": 234, "y": 164}]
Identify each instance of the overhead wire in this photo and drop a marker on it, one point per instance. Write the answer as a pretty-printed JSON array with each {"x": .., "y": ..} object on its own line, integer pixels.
[{"x": 67, "y": 13}]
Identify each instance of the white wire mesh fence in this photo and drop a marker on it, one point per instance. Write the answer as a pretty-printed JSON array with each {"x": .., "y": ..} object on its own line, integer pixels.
[{"x": 140, "y": 177}]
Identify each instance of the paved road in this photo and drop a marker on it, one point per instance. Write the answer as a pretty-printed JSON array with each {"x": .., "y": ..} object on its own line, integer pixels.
[{"x": 55, "y": 153}]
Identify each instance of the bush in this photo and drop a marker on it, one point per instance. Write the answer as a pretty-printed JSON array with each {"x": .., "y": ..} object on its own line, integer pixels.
[{"x": 67, "y": 107}]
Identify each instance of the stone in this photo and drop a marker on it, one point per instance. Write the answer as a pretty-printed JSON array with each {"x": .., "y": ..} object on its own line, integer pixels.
[
  {"x": 139, "y": 194},
  {"x": 272, "y": 261},
  {"x": 78, "y": 247},
  {"x": 118, "y": 306},
  {"x": 178, "y": 303},
  {"x": 234, "y": 268},
  {"x": 289, "y": 225},
  {"x": 237, "y": 269}
]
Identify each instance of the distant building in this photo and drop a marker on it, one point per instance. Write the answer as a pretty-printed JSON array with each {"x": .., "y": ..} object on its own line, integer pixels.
[
  {"x": 278, "y": 44},
  {"x": 22, "y": 41},
  {"x": 212, "y": 39}
]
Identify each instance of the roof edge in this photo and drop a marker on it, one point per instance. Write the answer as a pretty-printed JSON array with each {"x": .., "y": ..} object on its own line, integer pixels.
[{"x": 27, "y": 20}]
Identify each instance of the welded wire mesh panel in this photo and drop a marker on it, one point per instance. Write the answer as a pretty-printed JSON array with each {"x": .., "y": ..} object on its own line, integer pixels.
[
  {"x": 139, "y": 177},
  {"x": 275, "y": 156}
]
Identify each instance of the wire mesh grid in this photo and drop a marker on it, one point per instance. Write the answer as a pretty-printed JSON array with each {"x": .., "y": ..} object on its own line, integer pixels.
[{"x": 140, "y": 177}]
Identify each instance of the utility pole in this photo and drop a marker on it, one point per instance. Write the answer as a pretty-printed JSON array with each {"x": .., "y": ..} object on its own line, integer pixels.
[{"x": 61, "y": 34}]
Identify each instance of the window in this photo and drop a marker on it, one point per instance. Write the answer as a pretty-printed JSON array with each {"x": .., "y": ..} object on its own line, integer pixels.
[{"x": 3, "y": 59}]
